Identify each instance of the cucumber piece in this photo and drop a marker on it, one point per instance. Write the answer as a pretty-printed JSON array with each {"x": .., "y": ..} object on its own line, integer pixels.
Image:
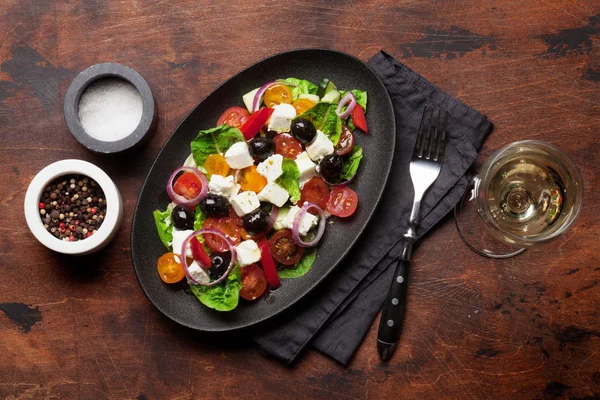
[
  {"x": 322, "y": 87},
  {"x": 332, "y": 96},
  {"x": 330, "y": 86},
  {"x": 283, "y": 212},
  {"x": 312, "y": 97},
  {"x": 249, "y": 99}
]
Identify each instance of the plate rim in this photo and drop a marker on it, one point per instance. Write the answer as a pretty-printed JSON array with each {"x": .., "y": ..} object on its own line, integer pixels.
[{"x": 388, "y": 103}]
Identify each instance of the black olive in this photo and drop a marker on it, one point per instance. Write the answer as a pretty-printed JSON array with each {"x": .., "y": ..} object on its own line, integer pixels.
[
  {"x": 218, "y": 264},
  {"x": 256, "y": 221},
  {"x": 303, "y": 130},
  {"x": 261, "y": 148},
  {"x": 214, "y": 205},
  {"x": 182, "y": 218},
  {"x": 330, "y": 166}
]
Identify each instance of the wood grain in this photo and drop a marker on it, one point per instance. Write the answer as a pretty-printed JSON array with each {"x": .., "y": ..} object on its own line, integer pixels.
[{"x": 523, "y": 328}]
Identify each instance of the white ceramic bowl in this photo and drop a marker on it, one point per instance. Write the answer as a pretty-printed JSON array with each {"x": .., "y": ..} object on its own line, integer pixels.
[{"x": 114, "y": 207}]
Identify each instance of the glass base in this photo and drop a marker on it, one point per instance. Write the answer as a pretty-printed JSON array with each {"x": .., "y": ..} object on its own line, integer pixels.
[{"x": 473, "y": 232}]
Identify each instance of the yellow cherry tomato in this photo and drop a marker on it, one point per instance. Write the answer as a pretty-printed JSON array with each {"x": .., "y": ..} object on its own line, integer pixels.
[
  {"x": 250, "y": 179},
  {"x": 277, "y": 93},
  {"x": 170, "y": 268},
  {"x": 216, "y": 164},
  {"x": 301, "y": 105}
]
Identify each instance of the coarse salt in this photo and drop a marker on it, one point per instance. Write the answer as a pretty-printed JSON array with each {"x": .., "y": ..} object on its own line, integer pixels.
[{"x": 110, "y": 109}]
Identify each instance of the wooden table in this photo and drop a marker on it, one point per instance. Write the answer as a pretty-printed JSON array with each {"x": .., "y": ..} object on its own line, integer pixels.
[{"x": 527, "y": 327}]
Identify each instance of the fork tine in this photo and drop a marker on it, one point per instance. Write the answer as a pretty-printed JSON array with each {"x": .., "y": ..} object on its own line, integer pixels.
[
  {"x": 442, "y": 142},
  {"x": 433, "y": 147},
  {"x": 427, "y": 138},
  {"x": 419, "y": 141}
]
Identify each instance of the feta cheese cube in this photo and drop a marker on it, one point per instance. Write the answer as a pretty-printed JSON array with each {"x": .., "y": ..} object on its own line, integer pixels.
[
  {"x": 281, "y": 119},
  {"x": 274, "y": 194},
  {"x": 223, "y": 186},
  {"x": 198, "y": 273},
  {"x": 319, "y": 147},
  {"x": 178, "y": 238},
  {"x": 238, "y": 156},
  {"x": 245, "y": 202},
  {"x": 271, "y": 168},
  {"x": 306, "y": 168},
  {"x": 306, "y": 223},
  {"x": 279, "y": 221},
  {"x": 247, "y": 253}
]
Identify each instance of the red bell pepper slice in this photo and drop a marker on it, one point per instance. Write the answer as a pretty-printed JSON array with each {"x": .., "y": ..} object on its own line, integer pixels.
[
  {"x": 256, "y": 121},
  {"x": 358, "y": 119},
  {"x": 199, "y": 253},
  {"x": 266, "y": 259}
]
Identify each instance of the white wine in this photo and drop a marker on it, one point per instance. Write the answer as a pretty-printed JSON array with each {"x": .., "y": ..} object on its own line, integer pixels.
[{"x": 530, "y": 192}]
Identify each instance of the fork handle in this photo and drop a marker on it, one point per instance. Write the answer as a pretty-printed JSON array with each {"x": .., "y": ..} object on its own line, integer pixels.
[{"x": 392, "y": 315}]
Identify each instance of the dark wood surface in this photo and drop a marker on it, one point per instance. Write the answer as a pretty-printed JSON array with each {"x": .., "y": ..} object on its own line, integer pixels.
[{"x": 523, "y": 328}]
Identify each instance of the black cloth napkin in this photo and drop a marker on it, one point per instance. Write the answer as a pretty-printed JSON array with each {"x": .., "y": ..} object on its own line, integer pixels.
[{"x": 337, "y": 315}]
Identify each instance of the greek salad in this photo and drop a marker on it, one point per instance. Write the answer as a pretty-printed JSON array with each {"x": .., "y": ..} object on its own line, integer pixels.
[{"x": 251, "y": 202}]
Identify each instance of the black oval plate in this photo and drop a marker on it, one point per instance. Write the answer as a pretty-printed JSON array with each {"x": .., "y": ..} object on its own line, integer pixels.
[{"x": 346, "y": 72}]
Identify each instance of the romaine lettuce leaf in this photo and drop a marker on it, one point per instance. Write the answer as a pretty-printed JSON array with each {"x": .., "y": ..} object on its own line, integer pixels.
[
  {"x": 199, "y": 218},
  {"x": 351, "y": 162},
  {"x": 164, "y": 226},
  {"x": 325, "y": 119},
  {"x": 302, "y": 267},
  {"x": 361, "y": 97},
  {"x": 301, "y": 86},
  {"x": 223, "y": 296},
  {"x": 214, "y": 141},
  {"x": 289, "y": 179}
]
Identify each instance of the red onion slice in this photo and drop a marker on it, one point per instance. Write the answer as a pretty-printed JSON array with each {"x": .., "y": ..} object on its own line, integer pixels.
[
  {"x": 180, "y": 200},
  {"x": 349, "y": 181},
  {"x": 272, "y": 217},
  {"x": 184, "y": 258},
  {"x": 348, "y": 97},
  {"x": 320, "y": 229},
  {"x": 259, "y": 95}
]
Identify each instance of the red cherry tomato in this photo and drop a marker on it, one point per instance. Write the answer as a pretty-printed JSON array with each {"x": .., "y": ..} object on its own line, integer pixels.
[
  {"x": 227, "y": 227},
  {"x": 234, "y": 116},
  {"x": 346, "y": 142},
  {"x": 342, "y": 202},
  {"x": 283, "y": 249},
  {"x": 287, "y": 146},
  {"x": 187, "y": 185},
  {"x": 315, "y": 191},
  {"x": 358, "y": 119},
  {"x": 254, "y": 282}
]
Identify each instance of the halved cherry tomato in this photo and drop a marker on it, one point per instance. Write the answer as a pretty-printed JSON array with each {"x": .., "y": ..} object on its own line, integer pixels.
[
  {"x": 342, "y": 202},
  {"x": 250, "y": 179},
  {"x": 254, "y": 282},
  {"x": 170, "y": 268},
  {"x": 187, "y": 185},
  {"x": 277, "y": 93},
  {"x": 227, "y": 227},
  {"x": 301, "y": 105},
  {"x": 283, "y": 249},
  {"x": 346, "y": 142},
  {"x": 315, "y": 191},
  {"x": 256, "y": 121},
  {"x": 199, "y": 253},
  {"x": 358, "y": 119},
  {"x": 266, "y": 260},
  {"x": 234, "y": 116},
  {"x": 287, "y": 146},
  {"x": 216, "y": 164}
]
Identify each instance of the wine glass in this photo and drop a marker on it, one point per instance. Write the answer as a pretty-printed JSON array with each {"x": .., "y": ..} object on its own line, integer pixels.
[{"x": 526, "y": 193}]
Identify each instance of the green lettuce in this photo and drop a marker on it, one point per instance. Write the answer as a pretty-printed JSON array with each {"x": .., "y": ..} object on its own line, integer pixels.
[
  {"x": 302, "y": 267},
  {"x": 361, "y": 97},
  {"x": 214, "y": 141},
  {"x": 325, "y": 119},
  {"x": 351, "y": 162},
  {"x": 223, "y": 296},
  {"x": 199, "y": 218},
  {"x": 289, "y": 179},
  {"x": 301, "y": 86},
  {"x": 164, "y": 226}
]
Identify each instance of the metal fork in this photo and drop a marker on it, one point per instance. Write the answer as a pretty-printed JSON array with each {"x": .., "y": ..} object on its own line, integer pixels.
[{"x": 425, "y": 166}]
